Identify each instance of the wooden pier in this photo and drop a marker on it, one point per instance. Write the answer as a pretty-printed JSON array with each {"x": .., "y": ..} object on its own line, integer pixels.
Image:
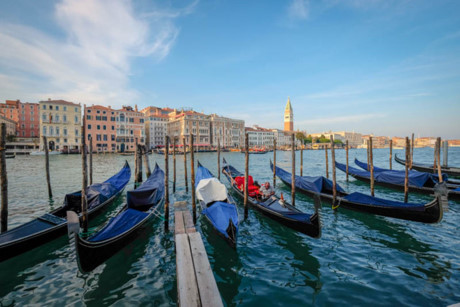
[{"x": 196, "y": 285}]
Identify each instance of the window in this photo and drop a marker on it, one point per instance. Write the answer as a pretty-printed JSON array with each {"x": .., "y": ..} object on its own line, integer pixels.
[
  {"x": 76, "y": 132},
  {"x": 89, "y": 137},
  {"x": 44, "y": 107},
  {"x": 44, "y": 117},
  {"x": 98, "y": 127},
  {"x": 98, "y": 111},
  {"x": 64, "y": 118},
  {"x": 105, "y": 137},
  {"x": 98, "y": 117},
  {"x": 76, "y": 119},
  {"x": 98, "y": 137},
  {"x": 51, "y": 107},
  {"x": 58, "y": 141},
  {"x": 56, "y": 118},
  {"x": 65, "y": 140},
  {"x": 104, "y": 127},
  {"x": 76, "y": 109},
  {"x": 44, "y": 130},
  {"x": 113, "y": 137},
  {"x": 57, "y": 108},
  {"x": 32, "y": 133},
  {"x": 113, "y": 127},
  {"x": 89, "y": 111},
  {"x": 89, "y": 127},
  {"x": 141, "y": 120},
  {"x": 132, "y": 132},
  {"x": 88, "y": 116},
  {"x": 112, "y": 119},
  {"x": 104, "y": 118},
  {"x": 65, "y": 132},
  {"x": 65, "y": 108},
  {"x": 57, "y": 130},
  {"x": 51, "y": 131}
]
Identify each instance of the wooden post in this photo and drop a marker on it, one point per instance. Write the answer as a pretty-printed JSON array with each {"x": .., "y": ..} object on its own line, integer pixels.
[
  {"x": 246, "y": 176},
  {"x": 84, "y": 204},
  {"x": 406, "y": 179},
  {"x": 301, "y": 160},
  {"x": 185, "y": 164},
  {"x": 439, "y": 159},
  {"x": 293, "y": 170},
  {"x": 371, "y": 162},
  {"x": 146, "y": 162},
  {"x": 139, "y": 162},
  {"x": 412, "y": 151},
  {"x": 327, "y": 161},
  {"x": 445, "y": 153},
  {"x": 274, "y": 163},
  {"x": 192, "y": 175},
  {"x": 166, "y": 183},
  {"x": 47, "y": 166},
  {"x": 218, "y": 158},
  {"x": 136, "y": 165},
  {"x": 334, "y": 183},
  {"x": 174, "y": 165},
  {"x": 3, "y": 179},
  {"x": 391, "y": 153},
  {"x": 346, "y": 149},
  {"x": 90, "y": 160}
]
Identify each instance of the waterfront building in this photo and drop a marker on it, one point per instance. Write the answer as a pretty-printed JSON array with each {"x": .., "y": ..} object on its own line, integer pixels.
[
  {"x": 156, "y": 120},
  {"x": 229, "y": 131},
  {"x": 10, "y": 125},
  {"x": 130, "y": 125},
  {"x": 288, "y": 117},
  {"x": 425, "y": 142},
  {"x": 260, "y": 137},
  {"x": 101, "y": 127},
  {"x": 60, "y": 122},
  {"x": 355, "y": 140},
  {"x": 283, "y": 138},
  {"x": 26, "y": 116},
  {"x": 182, "y": 123}
]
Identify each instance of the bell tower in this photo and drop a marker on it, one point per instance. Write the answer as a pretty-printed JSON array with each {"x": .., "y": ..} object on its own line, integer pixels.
[{"x": 288, "y": 117}]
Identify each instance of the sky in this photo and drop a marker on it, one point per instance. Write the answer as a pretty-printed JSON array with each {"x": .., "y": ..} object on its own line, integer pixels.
[{"x": 384, "y": 67}]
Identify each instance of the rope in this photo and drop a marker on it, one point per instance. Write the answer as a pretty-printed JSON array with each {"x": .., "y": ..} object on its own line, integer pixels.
[{"x": 335, "y": 207}]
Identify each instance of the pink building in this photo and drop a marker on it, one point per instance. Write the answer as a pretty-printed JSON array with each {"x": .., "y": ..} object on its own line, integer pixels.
[{"x": 26, "y": 116}]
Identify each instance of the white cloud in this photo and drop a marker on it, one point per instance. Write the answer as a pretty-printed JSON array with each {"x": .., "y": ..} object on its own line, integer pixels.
[
  {"x": 92, "y": 62},
  {"x": 298, "y": 9}
]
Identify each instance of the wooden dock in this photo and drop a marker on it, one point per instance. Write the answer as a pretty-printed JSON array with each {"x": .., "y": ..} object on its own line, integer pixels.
[{"x": 196, "y": 285}]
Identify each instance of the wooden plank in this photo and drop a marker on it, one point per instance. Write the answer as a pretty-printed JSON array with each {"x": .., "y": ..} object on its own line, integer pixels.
[
  {"x": 187, "y": 288},
  {"x": 188, "y": 221},
  {"x": 207, "y": 287},
  {"x": 180, "y": 206},
  {"x": 179, "y": 225}
]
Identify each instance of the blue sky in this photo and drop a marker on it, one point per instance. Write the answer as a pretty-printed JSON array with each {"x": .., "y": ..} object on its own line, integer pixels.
[{"x": 384, "y": 67}]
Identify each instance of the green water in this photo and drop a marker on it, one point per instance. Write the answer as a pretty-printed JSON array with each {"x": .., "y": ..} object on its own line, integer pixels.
[{"x": 359, "y": 260}]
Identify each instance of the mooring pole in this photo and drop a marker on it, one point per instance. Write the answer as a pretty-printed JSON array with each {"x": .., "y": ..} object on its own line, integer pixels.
[
  {"x": 136, "y": 165},
  {"x": 139, "y": 161},
  {"x": 439, "y": 159},
  {"x": 192, "y": 175},
  {"x": 47, "y": 166},
  {"x": 146, "y": 162},
  {"x": 293, "y": 169},
  {"x": 371, "y": 158},
  {"x": 90, "y": 160},
  {"x": 406, "y": 178},
  {"x": 301, "y": 160},
  {"x": 246, "y": 176},
  {"x": 218, "y": 158},
  {"x": 367, "y": 142},
  {"x": 84, "y": 204},
  {"x": 274, "y": 163},
  {"x": 391, "y": 153},
  {"x": 412, "y": 151},
  {"x": 327, "y": 160},
  {"x": 185, "y": 164},
  {"x": 166, "y": 183},
  {"x": 334, "y": 183},
  {"x": 174, "y": 165},
  {"x": 346, "y": 149},
  {"x": 3, "y": 179}
]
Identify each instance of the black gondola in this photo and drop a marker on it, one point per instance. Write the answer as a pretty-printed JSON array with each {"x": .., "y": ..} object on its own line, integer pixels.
[
  {"x": 142, "y": 205},
  {"x": 451, "y": 171},
  {"x": 431, "y": 212},
  {"x": 421, "y": 183},
  {"x": 52, "y": 225},
  {"x": 277, "y": 209}
]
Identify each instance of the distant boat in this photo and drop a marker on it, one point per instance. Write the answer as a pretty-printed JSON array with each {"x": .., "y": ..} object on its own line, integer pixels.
[
  {"x": 429, "y": 168},
  {"x": 42, "y": 153}
]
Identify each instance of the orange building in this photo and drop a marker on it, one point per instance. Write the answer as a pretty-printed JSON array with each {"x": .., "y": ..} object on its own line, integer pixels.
[
  {"x": 288, "y": 117},
  {"x": 130, "y": 126},
  {"x": 26, "y": 116}
]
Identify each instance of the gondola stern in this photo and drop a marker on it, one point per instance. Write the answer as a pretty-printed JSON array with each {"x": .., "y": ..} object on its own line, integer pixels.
[{"x": 232, "y": 231}]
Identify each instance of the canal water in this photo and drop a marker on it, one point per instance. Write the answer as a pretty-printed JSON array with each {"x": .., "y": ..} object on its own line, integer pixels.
[{"x": 360, "y": 259}]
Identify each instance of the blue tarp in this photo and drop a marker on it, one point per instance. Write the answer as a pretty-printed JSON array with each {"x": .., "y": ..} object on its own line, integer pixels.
[
  {"x": 98, "y": 193},
  {"x": 369, "y": 200},
  {"x": 316, "y": 184},
  {"x": 119, "y": 224},
  {"x": 415, "y": 179},
  {"x": 149, "y": 193},
  {"x": 412, "y": 173},
  {"x": 220, "y": 214},
  {"x": 202, "y": 173}
]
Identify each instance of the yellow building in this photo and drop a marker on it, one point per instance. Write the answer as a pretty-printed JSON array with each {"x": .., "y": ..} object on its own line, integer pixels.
[{"x": 60, "y": 122}]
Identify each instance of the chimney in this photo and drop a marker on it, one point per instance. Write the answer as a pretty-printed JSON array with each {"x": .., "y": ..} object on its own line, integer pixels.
[{"x": 135, "y": 107}]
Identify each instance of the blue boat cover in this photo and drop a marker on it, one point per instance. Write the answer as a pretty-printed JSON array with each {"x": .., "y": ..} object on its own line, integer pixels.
[
  {"x": 220, "y": 214},
  {"x": 202, "y": 173},
  {"x": 433, "y": 177},
  {"x": 417, "y": 179},
  {"x": 316, "y": 184},
  {"x": 119, "y": 224},
  {"x": 98, "y": 193},
  {"x": 370, "y": 200},
  {"x": 149, "y": 193}
]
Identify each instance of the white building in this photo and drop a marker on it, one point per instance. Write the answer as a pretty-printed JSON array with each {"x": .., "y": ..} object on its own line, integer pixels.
[
  {"x": 155, "y": 130},
  {"x": 282, "y": 137},
  {"x": 229, "y": 131},
  {"x": 260, "y": 137}
]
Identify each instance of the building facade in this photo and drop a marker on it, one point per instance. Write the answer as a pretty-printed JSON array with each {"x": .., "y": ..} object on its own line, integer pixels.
[
  {"x": 10, "y": 125},
  {"x": 60, "y": 122},
  {"x": 282, "y": 137},
  {"x": 101, "y": 128},
  {"x": 156, "y": 120},
  {"x": 26, "y": 116},
  {"x": 130, "y": 125},
  {"x": 182, "y": 124},
  {"x": 229, "y": 132},
  {"x": 288, "y": 117},
  {"x": 260, "y": 137}
]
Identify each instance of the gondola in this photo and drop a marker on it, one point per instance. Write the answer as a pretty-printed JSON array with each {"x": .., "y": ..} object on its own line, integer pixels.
[
  {"x": 217, "y": 205},
  {"x": 452, "y": 183},
  {"x": 319, "y": 186},
  {"x": 142, "y": 205},
  {"x": 274, "y": 207},
  {"x": 52, "y": 225},
  {"x": 451, "y": 171},
  {"x": 421, "y": 183}
]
